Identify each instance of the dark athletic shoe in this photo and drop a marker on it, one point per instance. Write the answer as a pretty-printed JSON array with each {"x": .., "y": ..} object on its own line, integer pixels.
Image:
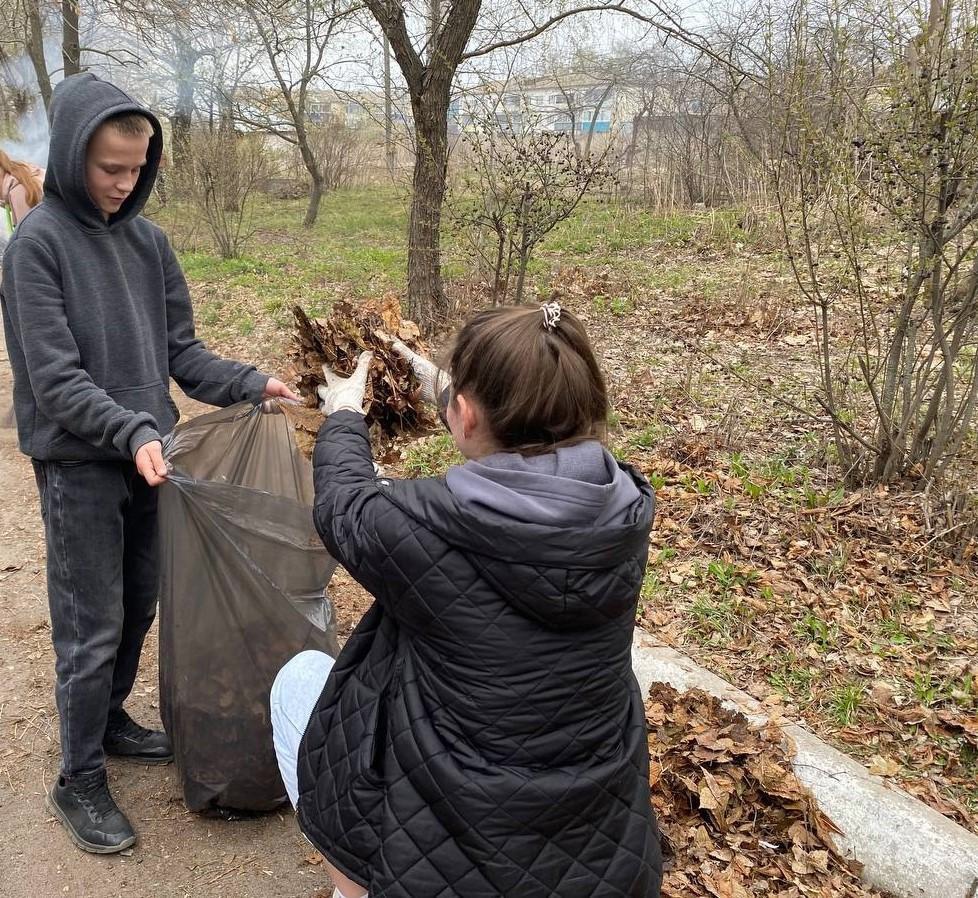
[
  {"x": 124, "y": 738},
  {"x": 93, "y": 820}
]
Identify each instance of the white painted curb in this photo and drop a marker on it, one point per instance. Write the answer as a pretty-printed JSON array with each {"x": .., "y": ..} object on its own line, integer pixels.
[{"x": 906, "y": 847}]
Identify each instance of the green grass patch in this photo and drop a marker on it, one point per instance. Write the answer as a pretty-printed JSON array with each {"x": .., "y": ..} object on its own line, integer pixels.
[
  {"x": 651, "y": 587},
  {"x": 700, "y": 485},
  {"x": 894, "y": 632},
  {"x": 657, "y": 480},
  {"x": 791, "y": 678},
  {"x": 844, "y": 703},
  {"x": 432, "y": 456},
  {"x": 647, "y": 437},
  {"x": 812, "y": 628},
  {"x": 359, "y": 239},
  {"x": 604, "y": 228},
  {"x": 725, "y": 577},
  {"x": 718, "y": 618},
  {"x": 208, "y": 268}
]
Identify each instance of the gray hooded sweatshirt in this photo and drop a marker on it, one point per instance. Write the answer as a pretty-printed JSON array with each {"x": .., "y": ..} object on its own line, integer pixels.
[
  {"x": 96, "y": 312},
  {"x": 575, "y": 486}
]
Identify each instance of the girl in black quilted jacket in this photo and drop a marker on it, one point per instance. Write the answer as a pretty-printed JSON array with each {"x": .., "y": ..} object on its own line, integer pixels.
[{"x": 481, "y": 734}]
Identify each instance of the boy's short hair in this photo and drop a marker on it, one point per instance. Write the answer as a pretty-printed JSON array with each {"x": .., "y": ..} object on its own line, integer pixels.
[{"x": 131, "y": 124}]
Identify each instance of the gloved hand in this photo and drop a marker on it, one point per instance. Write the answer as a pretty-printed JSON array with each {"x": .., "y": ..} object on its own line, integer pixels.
[
  {"x": 345, "y": 392},
  {"x": 432, "y": 379}
]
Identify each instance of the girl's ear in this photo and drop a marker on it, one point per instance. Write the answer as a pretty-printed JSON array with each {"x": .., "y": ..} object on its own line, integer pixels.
[{"x": 468, "y": 415}]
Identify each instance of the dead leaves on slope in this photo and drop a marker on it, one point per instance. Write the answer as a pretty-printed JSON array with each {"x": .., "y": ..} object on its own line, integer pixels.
[{"x": 735, "y": 820}]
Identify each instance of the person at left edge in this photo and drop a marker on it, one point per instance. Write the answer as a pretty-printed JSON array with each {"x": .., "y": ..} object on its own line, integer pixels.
[{"x": 98, "y": 318}]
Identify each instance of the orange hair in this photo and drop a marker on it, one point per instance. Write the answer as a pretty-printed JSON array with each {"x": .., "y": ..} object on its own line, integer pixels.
[{"x": 24, "y": 174}]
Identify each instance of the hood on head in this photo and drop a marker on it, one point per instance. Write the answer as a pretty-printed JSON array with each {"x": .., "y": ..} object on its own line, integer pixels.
[{"x": 79, "y": 105}]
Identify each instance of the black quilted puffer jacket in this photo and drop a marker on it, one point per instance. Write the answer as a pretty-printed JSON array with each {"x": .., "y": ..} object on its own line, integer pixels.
[{"x": 481, "y": 733}]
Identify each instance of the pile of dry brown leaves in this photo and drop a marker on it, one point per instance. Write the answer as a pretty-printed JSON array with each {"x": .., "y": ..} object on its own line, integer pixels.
[
  {"x": 392, "y": 401},
  {"x": 734, "y": 819}
]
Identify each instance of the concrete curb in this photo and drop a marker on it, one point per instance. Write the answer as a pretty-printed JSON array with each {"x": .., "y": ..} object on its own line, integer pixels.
[{"x": 906, "y": 848}]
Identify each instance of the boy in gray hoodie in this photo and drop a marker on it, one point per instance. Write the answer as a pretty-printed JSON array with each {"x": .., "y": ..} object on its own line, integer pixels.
[{"x": 98, "y": 318}]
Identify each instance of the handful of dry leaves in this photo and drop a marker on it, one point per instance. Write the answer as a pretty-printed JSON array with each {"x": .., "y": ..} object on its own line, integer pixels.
[
  {"x": 735, "y": 820},
  {"x": 392, "y": 397}
]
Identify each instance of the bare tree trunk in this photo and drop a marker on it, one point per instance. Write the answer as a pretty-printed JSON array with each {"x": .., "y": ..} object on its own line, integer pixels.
[
  {"x": 388, "y": 109},
  {"x": 426, "y": 292},
  {"x": 430, "y": 88},
  {"x": 225, "y": 111},
  {"x": 183, "y": 114},
  {"x": 594, "y": 117},
  {"x": 569, "y": 103},
  {"x": 35, "y": 50},
  {"x": 306, "y": 38},
  {"x": 70, "y": 50},
  {"x": 315, "y": 200},
  {"x": 315, "y": 174},
  {"x": 426, "y": 297},
  {"x": 434, "y": 20}
]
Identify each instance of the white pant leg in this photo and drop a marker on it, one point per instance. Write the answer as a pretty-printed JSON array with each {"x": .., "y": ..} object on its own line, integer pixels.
[{"x": 294, "y": 695}]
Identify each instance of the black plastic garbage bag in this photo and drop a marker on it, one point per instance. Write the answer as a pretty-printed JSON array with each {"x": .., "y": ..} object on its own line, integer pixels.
[{"x": 242, "y": 590}]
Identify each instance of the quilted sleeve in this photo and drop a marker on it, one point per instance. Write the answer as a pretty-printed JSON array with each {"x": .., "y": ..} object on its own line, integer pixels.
[{"x": 348, "y": 506}]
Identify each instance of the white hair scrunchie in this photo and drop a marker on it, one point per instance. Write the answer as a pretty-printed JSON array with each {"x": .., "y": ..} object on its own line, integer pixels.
[{"x": 551, "y": 315}]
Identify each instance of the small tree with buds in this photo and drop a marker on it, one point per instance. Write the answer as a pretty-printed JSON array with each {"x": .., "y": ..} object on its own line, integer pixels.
[{"x": 520, "y": 184}]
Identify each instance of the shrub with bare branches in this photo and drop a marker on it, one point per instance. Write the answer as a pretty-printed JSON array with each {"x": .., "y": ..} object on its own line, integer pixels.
[
  {"x": 340, "y": 152},
  {"x": 882, "y": 208},
  {"x": 520, "y": 184},
  {"x": 227, "y": 168}
]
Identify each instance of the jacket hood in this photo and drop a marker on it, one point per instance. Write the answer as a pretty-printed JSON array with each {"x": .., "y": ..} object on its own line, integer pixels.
[
  {"x": 559, "y": 552},
  {"x": 79, "y": 105},
  {"x": 573, "y": 486}
]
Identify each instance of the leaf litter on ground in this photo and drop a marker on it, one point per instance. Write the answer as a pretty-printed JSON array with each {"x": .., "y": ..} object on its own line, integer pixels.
[
  {"x": 854, "y": 609},
  {"x": 735, "y": 821}
]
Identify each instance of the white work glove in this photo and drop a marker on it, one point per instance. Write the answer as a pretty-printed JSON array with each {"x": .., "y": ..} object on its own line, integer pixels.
[
  {"x": 432, "y": 379},
  {"x": 345, "y": 392}
]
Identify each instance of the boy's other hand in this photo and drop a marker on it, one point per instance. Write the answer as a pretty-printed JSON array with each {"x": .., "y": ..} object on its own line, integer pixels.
[
  {"x": 150, "y": 464},
  {"x": 275, "y": 389}
]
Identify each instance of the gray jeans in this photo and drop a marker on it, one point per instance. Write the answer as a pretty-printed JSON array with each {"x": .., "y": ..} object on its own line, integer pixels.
[{"x": 103, "y": 568}]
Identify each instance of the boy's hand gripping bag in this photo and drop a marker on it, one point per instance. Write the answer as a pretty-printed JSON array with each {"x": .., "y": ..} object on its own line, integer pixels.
[{"x": 242, "y": 590}]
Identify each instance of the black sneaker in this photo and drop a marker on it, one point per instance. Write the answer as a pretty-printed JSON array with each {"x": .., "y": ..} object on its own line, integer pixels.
[
  {"x": 124, "y": 738},
  {"x": 86, "y": 808}
]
